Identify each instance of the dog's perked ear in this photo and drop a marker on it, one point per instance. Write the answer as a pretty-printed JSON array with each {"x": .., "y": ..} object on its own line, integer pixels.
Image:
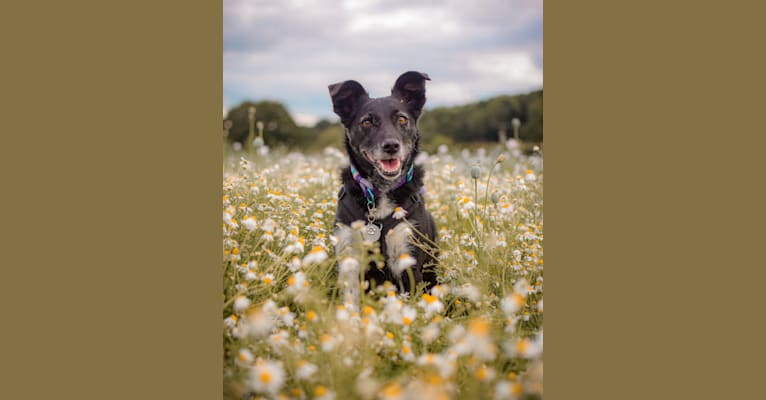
[
  {"x": 346, "y": 98},
  {"x": 410, "y": 88}
]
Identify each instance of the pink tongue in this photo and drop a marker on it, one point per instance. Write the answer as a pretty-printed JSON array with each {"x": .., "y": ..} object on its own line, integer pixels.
[{"x": 390, "y": 165}]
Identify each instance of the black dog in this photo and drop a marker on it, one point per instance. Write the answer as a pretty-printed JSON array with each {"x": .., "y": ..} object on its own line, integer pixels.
[{"x": 382, "y": 139}]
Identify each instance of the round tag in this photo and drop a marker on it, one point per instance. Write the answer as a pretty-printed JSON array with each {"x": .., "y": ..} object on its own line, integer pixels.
[{"x": 371, "y": 233}]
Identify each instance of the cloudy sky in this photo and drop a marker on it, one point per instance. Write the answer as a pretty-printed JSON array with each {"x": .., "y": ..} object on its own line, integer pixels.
[{"x": 291, "y": 50}]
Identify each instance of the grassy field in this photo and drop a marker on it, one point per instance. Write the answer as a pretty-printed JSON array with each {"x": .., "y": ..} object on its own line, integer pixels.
[{"x": 477, "y": 335}]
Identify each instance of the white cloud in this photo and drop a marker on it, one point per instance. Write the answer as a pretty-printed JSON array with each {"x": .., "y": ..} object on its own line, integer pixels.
[
  {"x": 291, "y": 50},
  {"x": 304, "y": 119},
  {"x": 515, "y": 69}
]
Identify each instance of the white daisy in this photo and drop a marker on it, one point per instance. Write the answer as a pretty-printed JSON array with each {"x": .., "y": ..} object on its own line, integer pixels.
[
  {"x": 241, "y": 303},
  {"x": 266, "y": 377},
  {"x": 405, "y": 261},
  {"x": 305, "y": 370},
  {"x": 399, "y": 213},
  {"x": 431, "y": 304},
  {"x": 245, "y": 358},
  {"x": 250, "y": 223},
  {"x": 315, "y": 256}
]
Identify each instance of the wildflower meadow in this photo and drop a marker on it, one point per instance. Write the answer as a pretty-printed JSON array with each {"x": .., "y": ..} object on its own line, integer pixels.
[{"x": 287, "y": 333}]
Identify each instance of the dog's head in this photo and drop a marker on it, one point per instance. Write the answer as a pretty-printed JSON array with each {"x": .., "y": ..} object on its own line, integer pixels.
[{"x": 382, "y": 136}]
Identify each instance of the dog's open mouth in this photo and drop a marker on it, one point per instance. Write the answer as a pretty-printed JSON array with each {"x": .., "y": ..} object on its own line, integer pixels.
[{"x": 389, "y": 167}]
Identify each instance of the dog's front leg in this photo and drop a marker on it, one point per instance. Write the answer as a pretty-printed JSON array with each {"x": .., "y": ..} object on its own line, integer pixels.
[
  {"x": 347, "y": 249},
  {"x": 399, "y": 257}
]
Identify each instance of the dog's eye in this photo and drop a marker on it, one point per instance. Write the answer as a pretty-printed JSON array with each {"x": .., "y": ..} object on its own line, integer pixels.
[
  {"x": 367, "y": 124},
  {"x": 402, "y": 120}
]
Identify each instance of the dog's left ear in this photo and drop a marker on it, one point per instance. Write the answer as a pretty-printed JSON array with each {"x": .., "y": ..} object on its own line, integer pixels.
[{"x": 410, "y": 88}]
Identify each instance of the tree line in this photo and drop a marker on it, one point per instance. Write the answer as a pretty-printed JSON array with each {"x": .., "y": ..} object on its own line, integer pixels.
[{"x": 483, "y": 121}]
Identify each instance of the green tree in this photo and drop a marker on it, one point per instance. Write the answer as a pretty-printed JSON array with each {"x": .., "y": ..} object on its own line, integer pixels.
[
  {"x": 279, "y": 127},
  {"x": 481, "y": 121}
]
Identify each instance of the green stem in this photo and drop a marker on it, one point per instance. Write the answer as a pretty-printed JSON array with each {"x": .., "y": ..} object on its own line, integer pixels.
[
  {"x": 486, "y": 196},
  {"x": 411, "y": 275}
]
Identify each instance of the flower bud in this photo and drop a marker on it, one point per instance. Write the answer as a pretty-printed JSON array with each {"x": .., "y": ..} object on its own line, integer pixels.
[
  {"x": 475, "y": 171},
  {"x": 495, "y": 197}
]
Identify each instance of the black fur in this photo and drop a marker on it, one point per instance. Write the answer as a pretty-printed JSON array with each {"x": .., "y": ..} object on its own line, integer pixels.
[{"x": 365, "y": 147}]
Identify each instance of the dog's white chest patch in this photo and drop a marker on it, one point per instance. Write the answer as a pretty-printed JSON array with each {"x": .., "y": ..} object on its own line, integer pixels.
[{"x": 384, "y": 208}]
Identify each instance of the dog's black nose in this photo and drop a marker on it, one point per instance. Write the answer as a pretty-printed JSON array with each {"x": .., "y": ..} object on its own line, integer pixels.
[{"x": 391, "y": 146}]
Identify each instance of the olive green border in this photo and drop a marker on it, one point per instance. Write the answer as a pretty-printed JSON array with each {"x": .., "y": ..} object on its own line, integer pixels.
[
  {"x": 111, "y": 165},
  {"x": 111, "y": 207},
  {"x": 650, "y": 270}
]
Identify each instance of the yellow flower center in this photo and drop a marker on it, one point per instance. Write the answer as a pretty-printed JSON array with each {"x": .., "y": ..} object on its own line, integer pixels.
[
  {"x": 406, "y": 321},
  {"x": 311, "y": 315},
  {"x": 320, "y": 391},
  {"x": 517, "y": 389},
  {"x": 393, "y": 389},
  {"x": 479, "y": 327},
  {"x": 291, "y": 280},
  {"x": 267, "y": 280},
  {"x": 429, "y": 298},
  {"x": 368, "y": 310},
  {"x": 235, "y": 251},
  {"x": 390, "y": 335},
  {"x": 265, "y": 377}
]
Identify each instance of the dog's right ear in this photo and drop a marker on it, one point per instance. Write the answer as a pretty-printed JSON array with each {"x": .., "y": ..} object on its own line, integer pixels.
[{"x": 346, "y": 98}]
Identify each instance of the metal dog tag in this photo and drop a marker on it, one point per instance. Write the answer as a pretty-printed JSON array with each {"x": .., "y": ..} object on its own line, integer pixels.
[{"x": 371, "y": 233}]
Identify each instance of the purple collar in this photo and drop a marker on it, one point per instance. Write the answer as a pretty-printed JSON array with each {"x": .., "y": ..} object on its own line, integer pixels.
[{"x": 370, "y": 191}]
